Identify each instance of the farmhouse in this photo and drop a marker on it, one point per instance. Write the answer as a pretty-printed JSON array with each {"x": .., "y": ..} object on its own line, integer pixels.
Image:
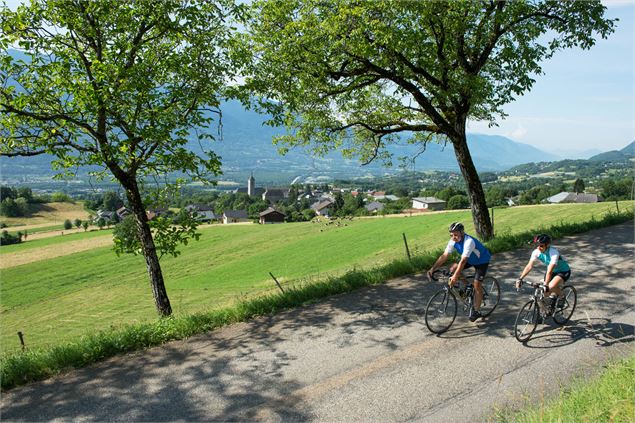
[
  {"x": 122, "y": 212},
  {"x": 275, "y": 194},
  {"x": 204, "y": 213},
  {"x": 152, "y": 213},
  {"x": 428, "y": 203},
  {"x": 235, "y": 216},
  {"x": 322, "y": 208},
  {"x": 271, "y": 215},
  {"x": 107, "y": 215},
  {"x": 389, "y": 197},
  {"x": 374, "y": 207},
  {"x": 572, "y": 197}
]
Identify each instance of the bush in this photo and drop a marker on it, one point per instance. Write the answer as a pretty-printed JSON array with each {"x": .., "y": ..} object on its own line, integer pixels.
[
  {"x": 7, "y": 239},
  {"x": 68, "y": 224},
  {"x": 60, "y": 197},
  {"x": 458, "y": 202}
]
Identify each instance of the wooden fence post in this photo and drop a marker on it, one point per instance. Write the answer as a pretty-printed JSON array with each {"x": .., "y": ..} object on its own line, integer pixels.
[
  {"x": 277, "y": 283},
  {"x": 405, "y": 241},
  {"x": 21, "y": 336}
]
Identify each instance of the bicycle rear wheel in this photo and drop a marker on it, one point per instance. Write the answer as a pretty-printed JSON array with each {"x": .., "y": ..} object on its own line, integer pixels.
[
  {"x": 441, "y": 311},
  {"x": 491, "y": 295},
  {"x": 566, "y": 305},
  {"x": 526, "y": 321}
]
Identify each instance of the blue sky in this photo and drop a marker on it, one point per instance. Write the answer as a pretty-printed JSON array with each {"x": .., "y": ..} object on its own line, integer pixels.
[{"x": 583, "y": 101}]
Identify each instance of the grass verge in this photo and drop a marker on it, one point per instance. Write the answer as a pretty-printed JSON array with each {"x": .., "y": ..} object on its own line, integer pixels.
[
  {"x": 31, "y": 365},
  {"x": 610, "y": 397}
]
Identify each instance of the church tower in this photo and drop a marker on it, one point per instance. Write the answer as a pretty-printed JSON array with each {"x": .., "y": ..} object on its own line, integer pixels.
[{"x": 251, "y": 185}]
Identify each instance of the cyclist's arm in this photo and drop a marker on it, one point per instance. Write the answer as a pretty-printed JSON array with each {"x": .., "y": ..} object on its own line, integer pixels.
[
  {"x": 442, "y": 259},
  {"x": 549, "y": 273},
  {"x": 527, "y": 269}
]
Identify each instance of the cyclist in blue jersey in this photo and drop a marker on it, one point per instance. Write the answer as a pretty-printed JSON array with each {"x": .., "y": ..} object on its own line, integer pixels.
[
  {"x": 473, "y": 254},
  {"x": 558, "y": 270}
]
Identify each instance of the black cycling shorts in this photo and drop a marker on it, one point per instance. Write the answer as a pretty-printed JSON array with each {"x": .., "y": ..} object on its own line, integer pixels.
[
  {"x": 480, "y": 270},
  {"x": 564, "y": 275}
]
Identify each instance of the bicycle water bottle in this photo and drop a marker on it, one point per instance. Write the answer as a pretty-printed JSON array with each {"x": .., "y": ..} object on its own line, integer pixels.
[{"x": 468, "y": 290}]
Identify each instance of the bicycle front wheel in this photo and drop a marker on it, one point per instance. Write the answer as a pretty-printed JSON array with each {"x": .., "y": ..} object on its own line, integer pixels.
[
  {"x": 526, "y": 321},
  {"x": 441, "y": 311},
  {"x": 491, "y": 296},
  {"x": 565, "y": 305}
]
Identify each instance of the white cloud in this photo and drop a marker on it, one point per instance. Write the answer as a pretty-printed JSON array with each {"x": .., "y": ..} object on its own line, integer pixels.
[
  {"x": 618, "y": 3},
  {"x": 518, "y": 133}
]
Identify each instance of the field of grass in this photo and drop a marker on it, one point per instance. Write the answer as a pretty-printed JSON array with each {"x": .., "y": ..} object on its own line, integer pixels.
[
  {"x": 48, "y": 214},
  {"x": 57, "y": 300},
  {"x": 610, "y": 397}
]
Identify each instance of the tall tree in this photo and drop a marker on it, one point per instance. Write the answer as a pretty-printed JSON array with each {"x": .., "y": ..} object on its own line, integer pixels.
[
  {"x": 352, "y": 75},
  {"x": 578, "y": 186},
  {"x": 121, "y": 85}
]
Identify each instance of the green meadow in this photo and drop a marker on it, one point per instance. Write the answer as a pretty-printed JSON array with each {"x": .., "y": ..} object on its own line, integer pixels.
[{"x": 58, "y": 300}]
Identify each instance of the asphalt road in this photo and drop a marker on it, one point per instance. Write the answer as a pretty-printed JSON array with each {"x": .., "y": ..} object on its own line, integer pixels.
[{"x": 363, "y": 356}]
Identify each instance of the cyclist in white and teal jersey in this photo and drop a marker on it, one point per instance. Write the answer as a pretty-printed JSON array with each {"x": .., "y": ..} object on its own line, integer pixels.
[
  {"x": 473, "y": 254},
  {"x": 558, "y": 270}
]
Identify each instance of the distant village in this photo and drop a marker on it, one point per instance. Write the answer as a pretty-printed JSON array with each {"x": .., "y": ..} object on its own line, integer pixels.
[{"x": 273, "y": 204}]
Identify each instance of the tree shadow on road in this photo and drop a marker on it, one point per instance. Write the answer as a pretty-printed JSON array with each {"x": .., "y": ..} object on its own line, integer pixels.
[{"x": 605, "y": 332}]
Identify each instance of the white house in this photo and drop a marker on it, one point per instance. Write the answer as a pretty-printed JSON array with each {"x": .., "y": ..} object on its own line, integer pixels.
[
  {"x": 428, "y": 203},
  {"x": 235, "y": 216}
]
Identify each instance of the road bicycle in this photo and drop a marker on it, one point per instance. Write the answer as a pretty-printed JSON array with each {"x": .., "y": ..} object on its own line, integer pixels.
[
  {"x": 442, "y": 307},
  {"x": 539, "y": 308}
]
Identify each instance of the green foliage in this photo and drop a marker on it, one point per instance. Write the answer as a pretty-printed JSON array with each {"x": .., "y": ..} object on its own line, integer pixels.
[
  {"x": 345, "y": 70},
  {"x": 578, "y": 186},
  {"x": 167, "y": 235},
  {"x": 608, "y": 397},
  {"x": 151, "y": 71},
  {"x": 458, "y": 202},
  {"x": 9, "y": 208},
  {"x": 621, "y": 189},
  {"x": 7, "y": 239},
  {"x": 446, "y": 193},
  {"x": 68, "y": 224},
  {"x": 61, "y": 197},
  {"x": 8, "y": 192},
  {"x": 111, "y": 201}
]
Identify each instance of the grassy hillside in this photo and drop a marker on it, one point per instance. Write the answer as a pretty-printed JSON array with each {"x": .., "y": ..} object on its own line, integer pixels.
[
  {"x": 47, "y": 214},
  {"x": 59, "y": 299}
]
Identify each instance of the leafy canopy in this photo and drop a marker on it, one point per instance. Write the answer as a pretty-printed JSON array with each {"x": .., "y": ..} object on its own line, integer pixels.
[
  {"x": 120, "y": 85},
  {"x": 350, "y": 75}
]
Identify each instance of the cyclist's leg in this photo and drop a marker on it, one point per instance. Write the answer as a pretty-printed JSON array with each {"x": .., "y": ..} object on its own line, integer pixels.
[
  {"x": 555, "y": 283},
  {"x": 479, "y": 275},
  {"x": 462, "y": 278}
]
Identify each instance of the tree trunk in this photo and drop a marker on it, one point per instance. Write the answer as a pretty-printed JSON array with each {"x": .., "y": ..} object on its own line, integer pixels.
[
  {"x": 161, "y": 299},
  {"x": 480, "y": 214}
]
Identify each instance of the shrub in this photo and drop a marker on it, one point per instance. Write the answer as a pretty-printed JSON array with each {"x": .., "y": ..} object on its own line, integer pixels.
[{"x": 7, "y": 239}]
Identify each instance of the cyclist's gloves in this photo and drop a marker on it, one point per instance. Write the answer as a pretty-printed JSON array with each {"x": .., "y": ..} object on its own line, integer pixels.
[{"x": 519, "y": 283}]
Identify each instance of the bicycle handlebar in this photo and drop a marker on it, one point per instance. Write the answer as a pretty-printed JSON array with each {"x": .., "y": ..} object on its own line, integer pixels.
[
  {"x": 447, "y": 274},
  {"x": 540, "y": 284},
  {"x": 443, "y": 272}
]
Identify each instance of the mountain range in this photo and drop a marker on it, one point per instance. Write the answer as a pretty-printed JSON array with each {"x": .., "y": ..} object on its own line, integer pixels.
[{"x": 246, "y": 147}]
